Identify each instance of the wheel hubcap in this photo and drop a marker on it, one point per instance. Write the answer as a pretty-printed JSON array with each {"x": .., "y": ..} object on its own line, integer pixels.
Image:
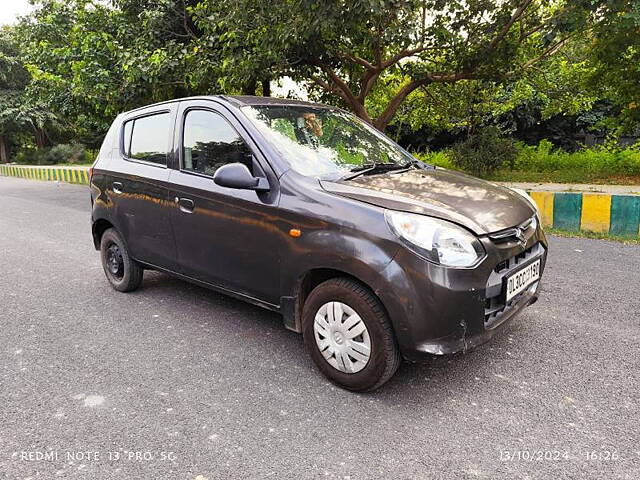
[
  {"x": 115, "y": 263},
  {"x": 342, "y": 337}
]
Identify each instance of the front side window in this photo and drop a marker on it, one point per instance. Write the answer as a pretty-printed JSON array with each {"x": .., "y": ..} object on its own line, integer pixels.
[
  {"x": 147, "y": 138},
  {"x": 323, "y": 142},
  {"x": 209, "y": 142}
]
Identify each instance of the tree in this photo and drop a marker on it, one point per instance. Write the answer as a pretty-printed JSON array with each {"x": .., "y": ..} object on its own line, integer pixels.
[
  {"x": 67, "y": 51},
  {"x": 345, "y": 48},
  {"x": 557, "y": 86},
  {"x": 451, "y": 63},
  {"x": 90, "y": 60},
  {"x": 615, "y": 51},
  {"x": 13, "y": 79}
]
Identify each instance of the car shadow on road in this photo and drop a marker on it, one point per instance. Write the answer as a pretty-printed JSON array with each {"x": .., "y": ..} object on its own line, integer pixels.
[{"x": 436, "y": 378}]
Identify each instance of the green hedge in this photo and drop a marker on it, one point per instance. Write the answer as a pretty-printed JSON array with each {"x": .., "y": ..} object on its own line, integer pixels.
[
  {"x": 62, "y": 153},
  {"x": 544, "y": 159},
  {"x": 548, "y": 162}
]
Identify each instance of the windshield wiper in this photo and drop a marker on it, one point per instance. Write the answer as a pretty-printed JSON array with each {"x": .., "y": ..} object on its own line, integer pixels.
[{"x": 373, "y": 168}]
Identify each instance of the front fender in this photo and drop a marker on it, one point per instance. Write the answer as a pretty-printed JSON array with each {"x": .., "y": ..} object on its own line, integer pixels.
[
  {"x": 338, "y": 252},
  {"x": 355, "y": 256}
]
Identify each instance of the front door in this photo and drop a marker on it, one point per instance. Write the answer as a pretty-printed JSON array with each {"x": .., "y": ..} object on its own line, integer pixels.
[{"x": 224, "y": 236}]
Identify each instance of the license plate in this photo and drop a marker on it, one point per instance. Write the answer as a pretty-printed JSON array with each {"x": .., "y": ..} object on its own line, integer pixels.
[{"x": 520, "y": 280}]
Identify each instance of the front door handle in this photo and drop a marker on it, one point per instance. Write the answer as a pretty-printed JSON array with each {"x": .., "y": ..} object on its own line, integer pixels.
[
  {"x": 186, "y": 205},
  {"x": 117, "y": 187}
]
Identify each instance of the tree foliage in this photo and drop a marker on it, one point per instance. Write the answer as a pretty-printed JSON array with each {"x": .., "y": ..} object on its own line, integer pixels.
[
  {"x": 18, "y": 112},
  {"x": 13, "y": 79},
  {"x": 615, "y": 53},
  {"x": 89, "y": 60},
  {"x": 345, "y": 48},
  {"x": 68, "y": 68}
]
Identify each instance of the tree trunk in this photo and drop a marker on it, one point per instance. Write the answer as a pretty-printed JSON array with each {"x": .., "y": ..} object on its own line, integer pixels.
[
  {"x": 42, "y": 141},
  {"x": 390, "y": 110},
  {"x": 266, "y": 88},
  {"x": 249, "y": 88},
  {"x": 4, "y": 149}
]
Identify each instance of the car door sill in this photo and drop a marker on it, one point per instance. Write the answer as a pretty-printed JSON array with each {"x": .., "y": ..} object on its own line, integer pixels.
[{"x": 217, "y": 288}]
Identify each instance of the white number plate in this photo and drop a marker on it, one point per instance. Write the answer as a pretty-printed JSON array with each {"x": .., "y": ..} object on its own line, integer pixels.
[{"x": 520, "y": 280}]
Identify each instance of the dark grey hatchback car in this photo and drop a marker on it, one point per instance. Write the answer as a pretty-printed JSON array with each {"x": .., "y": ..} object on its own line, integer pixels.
[{"x": 306, "y": 210}]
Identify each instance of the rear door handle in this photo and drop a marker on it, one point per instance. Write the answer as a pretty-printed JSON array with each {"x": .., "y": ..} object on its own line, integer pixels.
[
  {"x": 117, "y": 187},
  {"x": 186, "y": 205}
]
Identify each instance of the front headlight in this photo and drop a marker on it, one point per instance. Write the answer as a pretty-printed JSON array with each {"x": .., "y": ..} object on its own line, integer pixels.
[{"x": 439, "y": 241}]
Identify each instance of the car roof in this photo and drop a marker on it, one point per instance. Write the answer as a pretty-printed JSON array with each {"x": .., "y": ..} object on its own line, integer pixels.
[
  {"x": 242, "y": 100},
  {"x": 239, "y": 101}
]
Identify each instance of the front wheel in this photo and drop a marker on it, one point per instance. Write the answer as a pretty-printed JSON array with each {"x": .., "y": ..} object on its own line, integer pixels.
[
  {"x": 348, "y": 335},
  {"x": 122, "y": 271}
]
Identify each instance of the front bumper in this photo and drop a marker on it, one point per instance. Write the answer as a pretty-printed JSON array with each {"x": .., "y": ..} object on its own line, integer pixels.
[
  {"x": 461, "y": 341},
  {"x": 439, "y": 310}
]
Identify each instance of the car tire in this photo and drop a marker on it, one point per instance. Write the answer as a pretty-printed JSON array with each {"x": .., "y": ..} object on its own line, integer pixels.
[
  {"x": 122, "y": 271},
  {"x": 333, "y": 313}
]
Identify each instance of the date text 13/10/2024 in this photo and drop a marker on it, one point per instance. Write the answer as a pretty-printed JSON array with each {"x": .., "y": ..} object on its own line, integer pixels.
[{"x": 556, "y": 455}]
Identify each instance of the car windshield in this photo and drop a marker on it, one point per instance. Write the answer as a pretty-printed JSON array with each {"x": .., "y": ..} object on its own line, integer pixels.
[{"x": 323, "y": 142}]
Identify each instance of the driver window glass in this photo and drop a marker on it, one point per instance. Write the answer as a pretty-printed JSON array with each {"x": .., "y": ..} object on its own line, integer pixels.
[{"x": 209, "y": 142}]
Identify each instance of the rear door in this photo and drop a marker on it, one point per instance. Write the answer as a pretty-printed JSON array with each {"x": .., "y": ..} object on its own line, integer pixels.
[
  {"x": 138, "y": 185},
  {"x": 224, "y": 236}
]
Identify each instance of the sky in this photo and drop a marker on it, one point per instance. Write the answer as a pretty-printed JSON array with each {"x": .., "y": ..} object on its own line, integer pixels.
[{"x": 10, "y": 9}]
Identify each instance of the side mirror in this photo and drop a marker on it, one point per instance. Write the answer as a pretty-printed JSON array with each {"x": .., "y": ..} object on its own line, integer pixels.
[{"x": 237, "y": 175}]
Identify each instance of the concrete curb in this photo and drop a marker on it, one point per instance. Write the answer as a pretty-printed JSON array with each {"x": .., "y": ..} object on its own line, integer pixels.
[
  {"x": 77, "y": 175},
  {"x": 591, "y": 212},
  {"x": 574, "y": 188},
  {"x": 571, "y": 211}
]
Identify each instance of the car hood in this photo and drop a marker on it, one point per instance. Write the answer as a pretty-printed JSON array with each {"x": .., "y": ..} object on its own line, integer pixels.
[{"x": 481, "y": 206}]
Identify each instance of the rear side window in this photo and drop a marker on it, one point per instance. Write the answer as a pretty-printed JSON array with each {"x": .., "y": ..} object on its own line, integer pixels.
[
  {"x": 210, "y": 142},
  {"x": 106, "y": 149},
  {"x": 146, "y": 138}
]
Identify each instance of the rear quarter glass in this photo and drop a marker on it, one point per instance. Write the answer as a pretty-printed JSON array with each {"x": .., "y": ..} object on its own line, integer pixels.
[{"x": 109, "y": 145}]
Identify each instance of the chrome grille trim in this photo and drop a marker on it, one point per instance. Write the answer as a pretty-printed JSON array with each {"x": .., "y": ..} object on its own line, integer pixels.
[{"x": 514, "y": 233}]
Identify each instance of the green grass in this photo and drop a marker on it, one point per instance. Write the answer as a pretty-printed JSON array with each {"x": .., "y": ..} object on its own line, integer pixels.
[
  {"x": 627, "y": 240},
  {"x": 63, "y": 164},
  {"x": 565, "y": 176},
  {"x": 545, "y": 165},
  {"x": 69, "y": 164}
]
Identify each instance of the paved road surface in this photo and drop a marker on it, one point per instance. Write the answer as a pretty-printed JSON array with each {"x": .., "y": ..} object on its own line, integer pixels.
[{"x": 204, "y": 386}]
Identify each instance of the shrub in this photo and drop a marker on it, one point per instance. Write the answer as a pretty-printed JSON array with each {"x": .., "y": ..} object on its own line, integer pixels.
[
  {"x": 91, "y": 155},
  {"x": 31, "y": 157},
  {"x": 484, "y": 152},
  {"x": 439, "y": 159},
  {"x": 61, "y": 153}
]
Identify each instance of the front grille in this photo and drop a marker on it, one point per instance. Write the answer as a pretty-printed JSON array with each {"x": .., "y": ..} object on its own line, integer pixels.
[
  {"x": 501, "y": 266},
  {"x": 495, "y": 306},
  {"x": 516, "y": 234}
]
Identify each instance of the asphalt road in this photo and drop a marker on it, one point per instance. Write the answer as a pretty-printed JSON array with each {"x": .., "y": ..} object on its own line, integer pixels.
[{"x": 175, "y": 381}]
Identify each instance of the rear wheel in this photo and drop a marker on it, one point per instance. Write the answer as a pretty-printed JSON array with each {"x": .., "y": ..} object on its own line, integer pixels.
[
  {"x": 123, "y": 272},
  {"x": 348, "y": 335}
]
